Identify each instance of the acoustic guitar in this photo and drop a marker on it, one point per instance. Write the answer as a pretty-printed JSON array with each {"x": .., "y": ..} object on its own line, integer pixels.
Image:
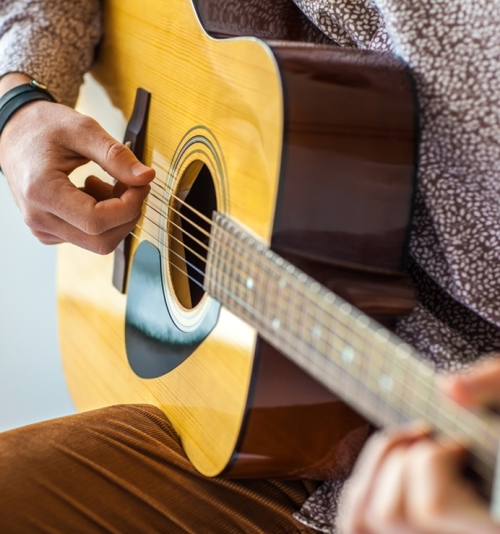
[{"x": 252, "y": 293}]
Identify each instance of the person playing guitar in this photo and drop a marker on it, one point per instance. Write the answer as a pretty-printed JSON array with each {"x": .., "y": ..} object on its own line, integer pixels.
[{"x": 122, "y": 469}]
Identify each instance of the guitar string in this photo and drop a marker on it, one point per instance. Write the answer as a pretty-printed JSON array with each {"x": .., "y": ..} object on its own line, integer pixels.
[
  {"x": 202, "y": 244},
  {"x": 165, "y": 188},
  {"x": 484, "y": 454},
  {"x": 309, "y": 346},
  {"x": 313, "y": 317},
  {"x": 169, "y": 190}
]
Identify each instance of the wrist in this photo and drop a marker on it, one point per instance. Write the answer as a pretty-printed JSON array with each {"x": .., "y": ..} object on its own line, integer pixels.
[
  {"x": 17, "y": 92},
  {"x": 20, "y": 96},
  {"x": 11, "y": 80}
]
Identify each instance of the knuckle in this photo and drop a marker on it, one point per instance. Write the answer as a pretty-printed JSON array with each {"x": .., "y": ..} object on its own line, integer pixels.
[
  {"x": 428, "y": 515},
  {"x": 386, "y": 518},
  {"x": 33, "y": 220},
  {"x": 424, "y": 455},
  {"x": 114, "y": 150},
  {"x": 432, "y": 507},
  {"x": 31, "y": 191},
  {"x": 87, "y": 122},
  {"x": 356, "y": 526},
  {"x": 105, "y": 248},
  {"x": 94, "y": 226},
  {"x": 38, "y": 235},
  {"x": 44, "y": 238},
  {"x": 437, "y": 507}
]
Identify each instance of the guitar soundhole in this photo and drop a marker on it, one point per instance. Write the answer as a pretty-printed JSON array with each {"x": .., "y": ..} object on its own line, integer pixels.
[{"x": 195, "y": 214}]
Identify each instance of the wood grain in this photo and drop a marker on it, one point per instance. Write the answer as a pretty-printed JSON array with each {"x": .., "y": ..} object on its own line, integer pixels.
[{"x": 194, "y": 81}]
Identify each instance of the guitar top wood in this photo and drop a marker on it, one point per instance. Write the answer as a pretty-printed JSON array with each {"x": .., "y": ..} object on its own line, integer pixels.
[{"x": 253, "y": 115}]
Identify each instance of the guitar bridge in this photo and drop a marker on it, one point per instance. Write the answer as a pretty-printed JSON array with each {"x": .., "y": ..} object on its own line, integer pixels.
[{"x": 135, "y": 136}]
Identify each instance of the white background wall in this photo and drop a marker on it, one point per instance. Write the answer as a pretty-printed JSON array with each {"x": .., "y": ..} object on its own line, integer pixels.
[{"x": 32, "y": 386}]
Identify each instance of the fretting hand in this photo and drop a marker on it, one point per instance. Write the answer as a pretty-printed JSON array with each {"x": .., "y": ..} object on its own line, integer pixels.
[
  {"x": 40, "y": 146},
  {"x": 406, "y": 483}
]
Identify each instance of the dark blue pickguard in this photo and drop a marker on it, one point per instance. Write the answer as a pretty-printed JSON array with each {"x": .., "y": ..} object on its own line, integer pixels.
[{"x": 155, "y": 344}]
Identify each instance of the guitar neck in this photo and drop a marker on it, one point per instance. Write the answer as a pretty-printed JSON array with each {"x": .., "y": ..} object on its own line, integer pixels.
[{"x": 352, "y": 355}]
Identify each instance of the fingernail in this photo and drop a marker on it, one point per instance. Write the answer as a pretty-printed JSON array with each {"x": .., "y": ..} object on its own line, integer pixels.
[{"x": 139, "y": 168}]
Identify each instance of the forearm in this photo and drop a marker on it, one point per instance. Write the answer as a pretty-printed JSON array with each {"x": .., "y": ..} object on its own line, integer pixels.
[{"x": 51, "y": 41}]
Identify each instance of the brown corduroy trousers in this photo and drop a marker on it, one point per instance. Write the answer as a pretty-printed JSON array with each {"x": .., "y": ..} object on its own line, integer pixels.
[{"x": 122, "y": 470}]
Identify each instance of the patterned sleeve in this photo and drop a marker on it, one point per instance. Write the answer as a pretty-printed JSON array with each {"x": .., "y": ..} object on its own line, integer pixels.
[
  {"x": 350, "y": 23},
  {"x": 453, "y": 49},
  {"x": 52, "y": 41}
]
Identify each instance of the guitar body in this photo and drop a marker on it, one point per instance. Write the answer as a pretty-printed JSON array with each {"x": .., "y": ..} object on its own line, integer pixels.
[{"x": 309, "y": 147}]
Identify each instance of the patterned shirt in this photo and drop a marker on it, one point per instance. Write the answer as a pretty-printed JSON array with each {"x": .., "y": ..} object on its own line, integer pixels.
[
  {"x": 453, "y": 50},
  {"x": 51, "y": 41}
]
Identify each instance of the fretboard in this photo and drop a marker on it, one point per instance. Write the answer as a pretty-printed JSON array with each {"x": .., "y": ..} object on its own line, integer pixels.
[{"x": 352, "y": 355}]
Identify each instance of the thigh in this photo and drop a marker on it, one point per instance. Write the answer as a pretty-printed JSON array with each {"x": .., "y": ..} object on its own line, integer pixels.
[{"x": 121, "y": 469}]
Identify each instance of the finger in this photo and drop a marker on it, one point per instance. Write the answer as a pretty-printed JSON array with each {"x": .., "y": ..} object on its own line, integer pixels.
[
  {"x": 47, "y": 239},
  {"x": 62, "y": 199},
  {"x": 97, "y": 188},
  {"x": 384, "y": 506},
  {"x": 56, "y": 230},
  {"x": 119, "y": 188},
  {"x": 94, "y": 143},
  {"x": 382, "y": 442},
  {"x": 101, "y": 190},
  {"x": 356, "y": 494},
  {"x": 102, "y": 244},
  {"x": 477, "y": 387},
  {"x": 438, "y": 499}
]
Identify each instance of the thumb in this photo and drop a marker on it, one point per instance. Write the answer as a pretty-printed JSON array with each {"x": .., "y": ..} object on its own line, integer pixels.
[
  {"x": 94, "y": 143},
  {"x": 480, "y": 386}
]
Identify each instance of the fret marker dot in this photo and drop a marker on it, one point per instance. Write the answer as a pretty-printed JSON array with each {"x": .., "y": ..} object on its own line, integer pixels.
[
  {"x": 348, "y": 355},
  {"x": 346, "y": 308},
  {"x": 403, "y": 351},
  {"x": 316, "y": 331},
  {"x": 282, "y": 282},
  {"x": 363, "y": 321},
  {"x": 382, "y": 335},
  {"x": 276, "y": 323},
  {"x": 386, "y": 382},
  {"x": 249, "y": 283},
  {"x": 426, "y": 369}
]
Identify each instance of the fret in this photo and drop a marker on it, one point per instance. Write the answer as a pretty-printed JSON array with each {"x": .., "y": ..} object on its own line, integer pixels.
[
  {"x": 318, "y": 335},
  {"x": 396, "y": 391},
  {"x": 290, "y": 308},
  {"x": 248, "y": 277},
  {"x": 249, "y": 287},
  {"x": 306, "y": 315},
  {"x": 236, "y": 282},
  {"x": 224, "y": 261},
  {"x": 262, "y": 283},
  {"x": 230, "y": 271},
  {"x": 349, "y": 353},
  {"x": 305, "y": 318}
]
